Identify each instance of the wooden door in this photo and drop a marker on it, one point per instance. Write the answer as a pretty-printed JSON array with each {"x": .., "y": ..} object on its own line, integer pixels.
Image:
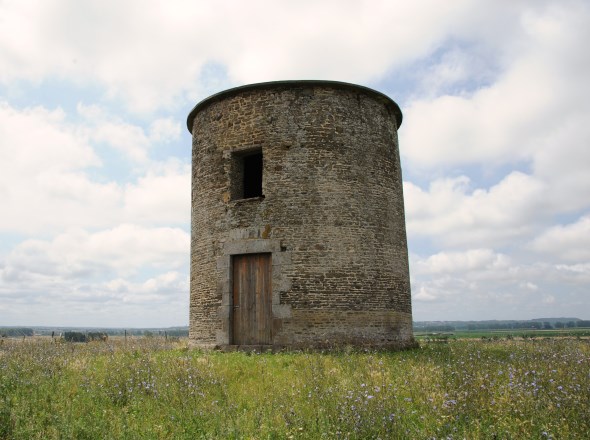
[{"x": 252, "y": 305}]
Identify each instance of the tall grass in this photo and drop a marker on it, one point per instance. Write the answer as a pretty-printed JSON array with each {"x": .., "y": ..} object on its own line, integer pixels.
[{"x": 151, "y": 388}]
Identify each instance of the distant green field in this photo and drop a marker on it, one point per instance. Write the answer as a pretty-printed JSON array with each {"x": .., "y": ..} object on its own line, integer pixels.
[
  {"x": 157, "y": 389},
  {"x": 512, "y": 333}
]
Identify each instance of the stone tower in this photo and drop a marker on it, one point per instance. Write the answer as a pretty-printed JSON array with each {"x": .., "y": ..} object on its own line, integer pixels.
[{"x": 298, "y": 228}]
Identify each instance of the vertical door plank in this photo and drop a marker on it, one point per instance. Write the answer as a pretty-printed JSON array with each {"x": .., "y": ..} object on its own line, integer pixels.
[{"x": 265, "y": 277}]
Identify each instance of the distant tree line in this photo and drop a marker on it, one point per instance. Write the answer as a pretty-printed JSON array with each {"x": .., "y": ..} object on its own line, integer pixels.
[
  {"x": 15, "y": 331},
  {"x": 499, "y": 325},
  {"x": 438, "y": 328},
  {"x": 77, "y": 336},
  {"x": 172, "y": 331}
]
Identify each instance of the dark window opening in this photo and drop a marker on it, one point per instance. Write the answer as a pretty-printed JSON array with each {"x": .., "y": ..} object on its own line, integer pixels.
[
  {"x": 252, "y": 183},
  {"x": 246, "y": 175}
]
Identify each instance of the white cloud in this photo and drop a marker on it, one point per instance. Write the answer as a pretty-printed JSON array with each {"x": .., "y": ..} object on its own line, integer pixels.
[
  {"x": 123, "y": 249},
  {"x": 100, "y": 275},
  {"x": 161, "y": 196},
  {"x": 456, "y": 68},
  {"x": 482, "y": 284},
  {"x": 532, "y": 112},
  {"x": 127, "y": 138},
  {"x": 569, "y": 243},
  {"x": 459, "y": 276},
  {"x": 529, "y": 286},
  {"x": 156, "y": 290},
  {"x": 562, "y": 163},
  {"x": 452, "y": 213},
  {"x": 164, "y": 130},
  {"x": 57, "y": 145},
  {"x": 539, "y": 92},
  {"x": 461, "y": 262},
  {"x": 43, "y": 161},
  {"x": 425, "y": 294},
  {"x": 46, "y": 162},
  {"x": 151, "y": 55},
  {"x": 159, "y": 301}
]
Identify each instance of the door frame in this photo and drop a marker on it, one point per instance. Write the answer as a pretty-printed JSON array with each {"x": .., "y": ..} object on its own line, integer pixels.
[{"x": 280, "y": 259}]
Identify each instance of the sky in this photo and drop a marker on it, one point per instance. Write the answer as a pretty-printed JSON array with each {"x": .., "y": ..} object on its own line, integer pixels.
[{"x": 95, "y": 154}]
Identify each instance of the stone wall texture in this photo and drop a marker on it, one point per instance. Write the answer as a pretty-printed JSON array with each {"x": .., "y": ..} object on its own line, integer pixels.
[{"x": 332, "y": 215}]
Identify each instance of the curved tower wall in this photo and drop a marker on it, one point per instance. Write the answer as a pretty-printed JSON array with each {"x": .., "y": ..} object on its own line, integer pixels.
[{"x": 330, "y": 217}]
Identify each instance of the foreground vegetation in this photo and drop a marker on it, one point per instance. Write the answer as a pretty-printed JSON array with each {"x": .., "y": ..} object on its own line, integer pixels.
[{"x": 153, "y": 388}]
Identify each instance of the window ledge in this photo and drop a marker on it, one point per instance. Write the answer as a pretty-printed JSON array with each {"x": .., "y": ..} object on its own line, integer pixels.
[{"x": 248, "y": 200}]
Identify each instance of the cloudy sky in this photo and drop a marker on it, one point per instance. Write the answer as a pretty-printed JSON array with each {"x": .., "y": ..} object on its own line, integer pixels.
[{"x": 95, "y": 154}]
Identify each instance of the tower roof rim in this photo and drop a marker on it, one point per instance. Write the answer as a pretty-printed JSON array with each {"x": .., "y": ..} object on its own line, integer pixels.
[{"x": 269, "y": 84}]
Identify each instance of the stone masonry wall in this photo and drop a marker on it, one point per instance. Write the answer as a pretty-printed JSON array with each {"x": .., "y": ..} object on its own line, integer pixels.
[{"x": 332, "y": 214}]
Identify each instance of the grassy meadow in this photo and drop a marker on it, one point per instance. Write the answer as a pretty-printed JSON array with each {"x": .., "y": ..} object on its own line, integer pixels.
[{"x": 159, "y": 389}]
